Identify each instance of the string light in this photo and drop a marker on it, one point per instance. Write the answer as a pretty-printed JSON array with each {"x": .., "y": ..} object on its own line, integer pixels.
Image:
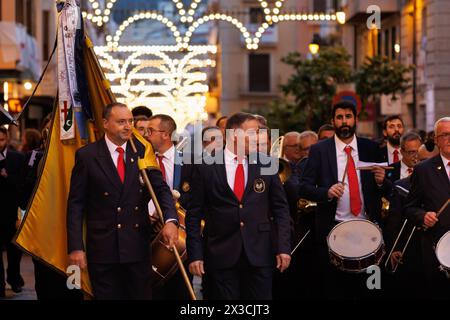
[{"x": 174, "y": 85}]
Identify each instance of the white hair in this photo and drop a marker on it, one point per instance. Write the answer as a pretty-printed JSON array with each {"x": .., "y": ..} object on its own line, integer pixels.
[
  {"x": 444, "y": 119},
  {"x": 309, "y": 133}
]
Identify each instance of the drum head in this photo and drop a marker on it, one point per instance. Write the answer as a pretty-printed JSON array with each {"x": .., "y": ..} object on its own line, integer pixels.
[
  {"x": 355, "y": 239},
  {"x": 443, "y": 250}
]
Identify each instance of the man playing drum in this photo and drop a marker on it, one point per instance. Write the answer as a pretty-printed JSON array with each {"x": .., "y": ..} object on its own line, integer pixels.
[
  {"x": 426, "y": 206},
  {"x": 344, "y": 194}
]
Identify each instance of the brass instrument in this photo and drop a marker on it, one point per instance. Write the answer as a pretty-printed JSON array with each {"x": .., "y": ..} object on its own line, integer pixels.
[
  {"x": 305, "y": 206},
  {"x": 284, "y": 168},
  {"x": 385, "y": 205}
]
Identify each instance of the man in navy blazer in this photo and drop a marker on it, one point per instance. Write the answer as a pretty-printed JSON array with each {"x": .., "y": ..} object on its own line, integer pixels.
[
  {"x": 244, "y": 209},
  {"x": 430, "y": 190},
  {"x": 322, "y": 182},
  {"x": 11, "y": 163},
  {"x": 106, "y": 190}
]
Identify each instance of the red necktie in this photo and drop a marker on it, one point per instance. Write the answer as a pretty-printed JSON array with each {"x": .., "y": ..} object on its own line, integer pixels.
[
  {"x": 355, "y": 199},
  {"x": 120, "y": 164},
  {"x": 239, "y": 181},
  {"x": 161, "y": 166},
  {"x": 396, "y": 159}
]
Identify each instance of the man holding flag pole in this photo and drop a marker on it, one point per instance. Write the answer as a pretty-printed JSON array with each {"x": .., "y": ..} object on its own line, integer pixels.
[{"x": 106, "y": 202}]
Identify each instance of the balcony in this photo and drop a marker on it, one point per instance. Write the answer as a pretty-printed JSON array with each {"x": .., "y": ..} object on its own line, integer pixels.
[
  {"x": 19, "y": 53},
  {"x": 356, "y": 10}
]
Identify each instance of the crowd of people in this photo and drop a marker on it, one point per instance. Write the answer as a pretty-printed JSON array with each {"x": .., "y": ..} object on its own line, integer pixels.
[{"x": 249, "y": 233}]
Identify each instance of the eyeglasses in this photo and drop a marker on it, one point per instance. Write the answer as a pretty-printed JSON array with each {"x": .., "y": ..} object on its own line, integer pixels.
[
  {"x": 297, "y": 146},
  {"x": 411, "y": 153},
  {"x": 444, "y": 135},
  {"x": 151, "y": 130}
]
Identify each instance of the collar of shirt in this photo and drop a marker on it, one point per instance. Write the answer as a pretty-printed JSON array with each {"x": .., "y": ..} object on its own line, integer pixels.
[
  {"x": 230, "y": 157},
  {"x": 112, "y": 146},
  {"x": 169, "y": 154},
  {"x": 340, "y": 146},
  {"x": 391, "y": 149},
  {"x": 403, "y": 170},
  {"x": 445, "y": 161},
  {"x": 3, "y": 154}
]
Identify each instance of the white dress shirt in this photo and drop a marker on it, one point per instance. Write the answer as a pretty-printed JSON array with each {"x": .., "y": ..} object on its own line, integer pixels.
[
  {"x": 391, "y": 150},
  {"x": 231, "y": 164},
  {"x": 445, "y": 161},
  {"x": 113, "y": 152},
  {"x": 343, "y": 211},
  {"x": 3, "y": 154},
  {"x": 404, "y": 170},
  {"x": 169, "y": 166}
]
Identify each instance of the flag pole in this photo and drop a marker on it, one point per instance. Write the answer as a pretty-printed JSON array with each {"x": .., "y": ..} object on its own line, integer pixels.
[{"x": 159, "y": 211}]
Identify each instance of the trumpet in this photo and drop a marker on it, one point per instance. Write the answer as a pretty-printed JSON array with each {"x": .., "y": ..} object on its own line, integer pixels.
[{"x": 284, "y": 168}]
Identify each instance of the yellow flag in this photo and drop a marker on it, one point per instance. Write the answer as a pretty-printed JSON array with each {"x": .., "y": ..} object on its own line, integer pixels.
[
  {"x": 149, "y": 160},
  {"x": 43, "y": 233}
]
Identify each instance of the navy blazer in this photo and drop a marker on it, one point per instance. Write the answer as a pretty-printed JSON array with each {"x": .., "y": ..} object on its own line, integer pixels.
[
  {"x": 117, "y": 220},
  {"x": 232, "y": 226},
  {"x": 430, "y": 189},
  {"x": 321, "y": 173},
  {"x": 10, "y": 193}
]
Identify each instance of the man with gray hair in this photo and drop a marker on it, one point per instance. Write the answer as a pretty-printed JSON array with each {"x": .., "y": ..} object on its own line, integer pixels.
[
  {"x": 409, "y": 149},
  {"x": 307, "y": 139},
  {"x": 430, "y": 190}
]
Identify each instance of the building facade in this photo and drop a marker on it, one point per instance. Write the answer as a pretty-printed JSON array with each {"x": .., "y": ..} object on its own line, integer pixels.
[
  {"x": 27, "y": 34},
  {"x": 414, "y": 32},
  {"x": 249, "y": 79}
]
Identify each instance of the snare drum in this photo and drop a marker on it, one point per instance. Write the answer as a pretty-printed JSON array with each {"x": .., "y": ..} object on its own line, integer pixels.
[
  {"x": 443, "y": 253},
  {"x": 355, "y": 245}
]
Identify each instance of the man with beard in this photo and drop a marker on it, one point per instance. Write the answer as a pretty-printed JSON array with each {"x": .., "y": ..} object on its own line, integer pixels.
[
  {"x": 357, "y": 196},
  {"x": 392, "y": 130}
]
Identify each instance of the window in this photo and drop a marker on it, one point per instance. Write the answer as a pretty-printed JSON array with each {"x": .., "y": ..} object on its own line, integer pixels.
[
  {"x": 20, "y": 10},
  {"x": 45, "y": 34},
  {"x": 379, "y": 43},
  {"x": 24, "y": 15},
  {"x": 320, "y": 6},
  {"x": 259, "y": 72},
  {"x": 393, "y": 42},
  {"x": 29, "y": 22},
  {"x": 386, "y": 43},
  {"x": 257, "y": 16}
]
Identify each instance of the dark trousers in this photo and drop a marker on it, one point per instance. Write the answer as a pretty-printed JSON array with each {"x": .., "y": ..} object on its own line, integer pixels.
[
  {"x": 50, "y": 285},
  {"x": 127, "y": 281},
  {"x": 337, "y": 284},
  {"x": 13, "y": 277},
  {"x": 174, "y": 288},
  {"x": 241, "y": 282}
]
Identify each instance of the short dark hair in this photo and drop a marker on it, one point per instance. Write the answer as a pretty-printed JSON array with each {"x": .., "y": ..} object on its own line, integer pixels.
[
  {"x": 220, "y": 119},
  {"x": 343, "y": 105},
  {"x": 390, "y": 118},
  {"x": 261, "y": 120},
  {"x": 4, "y": 131},
  {"x": 167, "y": 121},
  {"x": 141, "y": 111},
  {"x": 325, "y": 127},
  {"x": 410, "y": 136},
  {"x": 108, "y": 108},
  {"x": 209, "y": 128},
  {"x": 237, "y": 119}
]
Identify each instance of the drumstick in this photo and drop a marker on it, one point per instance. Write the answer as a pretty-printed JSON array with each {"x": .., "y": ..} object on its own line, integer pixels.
[
  {"x": 345, "y": 173},
  {"x": 443, "y": 208},
  {"x": 425, "y": 228}
]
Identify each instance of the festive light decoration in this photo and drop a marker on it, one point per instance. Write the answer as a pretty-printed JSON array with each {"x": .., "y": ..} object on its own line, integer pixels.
[{"x": 171, "y": 78}]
